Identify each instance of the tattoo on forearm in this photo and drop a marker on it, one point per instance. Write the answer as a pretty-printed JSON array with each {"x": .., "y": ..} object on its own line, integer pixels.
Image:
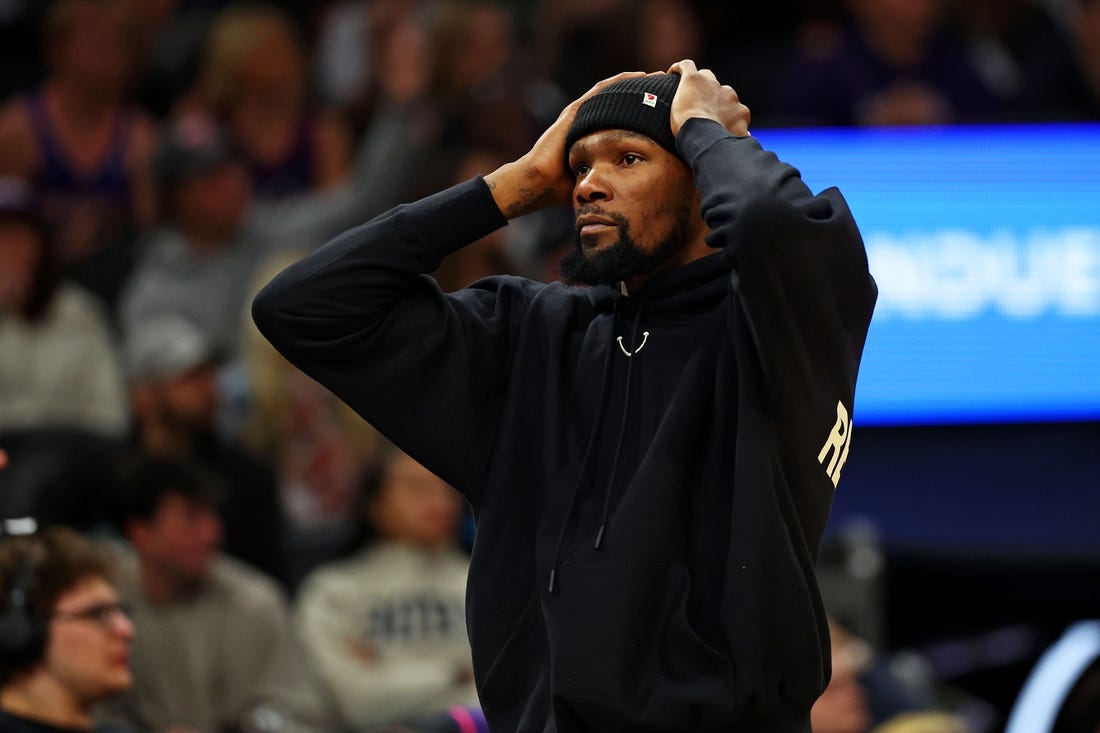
[{"x": 530, "y": 201}]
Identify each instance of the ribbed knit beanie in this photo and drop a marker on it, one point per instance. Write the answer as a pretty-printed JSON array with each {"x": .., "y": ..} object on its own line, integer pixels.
[{"x": 640, "y": 104}]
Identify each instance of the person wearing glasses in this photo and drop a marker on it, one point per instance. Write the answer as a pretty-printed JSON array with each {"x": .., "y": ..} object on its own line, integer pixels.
[{"x": 64, "y": 636}]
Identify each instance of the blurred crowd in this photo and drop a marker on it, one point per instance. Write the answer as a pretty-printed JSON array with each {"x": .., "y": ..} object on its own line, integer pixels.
[{"x": 160, "y": 160}]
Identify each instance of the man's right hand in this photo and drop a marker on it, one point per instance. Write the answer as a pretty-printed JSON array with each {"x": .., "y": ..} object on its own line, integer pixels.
[{"x": 541, "y": 178}]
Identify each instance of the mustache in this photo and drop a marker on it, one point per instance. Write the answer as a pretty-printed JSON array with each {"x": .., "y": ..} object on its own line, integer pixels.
[{"x": 594, "y": 210}]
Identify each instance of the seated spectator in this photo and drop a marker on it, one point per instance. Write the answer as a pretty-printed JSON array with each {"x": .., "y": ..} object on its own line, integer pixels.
[
  {"x": 893, "y": 64},
  {"x": 58, "y": 365},
  {"x": 81, "y": 146},
  {"x": 216, "y": 648},
  {"x": 173, "y": 381},
  {"x": 254, "y": 80},
  {"x": 64, "y": 637},
  {"x": 385, "y": 628},
  {"x": 200, "y": 263}
]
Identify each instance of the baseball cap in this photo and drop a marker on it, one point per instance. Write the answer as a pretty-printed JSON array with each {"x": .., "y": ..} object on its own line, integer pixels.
[
  {"x": 192, "y": 145},
  {"x": 165, "y": 346}
]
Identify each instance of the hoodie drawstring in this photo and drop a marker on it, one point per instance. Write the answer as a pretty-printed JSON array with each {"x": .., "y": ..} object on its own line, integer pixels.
[
  {"x": 587, "y": 453},
  {"x": 622, "y": 427},
  {"x": 593, "y": 439}
]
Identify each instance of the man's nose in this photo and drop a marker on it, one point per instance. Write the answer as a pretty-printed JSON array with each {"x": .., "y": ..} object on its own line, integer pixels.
[{"x": 592, "y": 186}]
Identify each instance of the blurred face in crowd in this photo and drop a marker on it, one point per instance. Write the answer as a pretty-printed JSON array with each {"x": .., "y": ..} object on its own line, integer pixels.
[
  {"x": 415, "y": 507},
  {"x": 212, "y": 204},
  {"x": 271, "y": 81},
  {"x": 20, "y": 257},
  {"x": 96, "y": 47},
  {"x": 179, "y": 542},
  {"x": 88, "y": 647},
  {"x": 187, "y": 402},
  {"x": 636, "y": 207}
]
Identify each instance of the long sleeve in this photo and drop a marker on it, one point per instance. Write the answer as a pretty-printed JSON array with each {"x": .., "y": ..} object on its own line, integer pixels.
[
  {"x": 800, "y": 270},
  {"x": 800, "y": 303},
  {"x": 359, "y": 316}
]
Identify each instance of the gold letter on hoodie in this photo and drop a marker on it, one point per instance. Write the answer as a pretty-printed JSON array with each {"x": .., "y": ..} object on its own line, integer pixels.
[{"x": 838, "y": 442}]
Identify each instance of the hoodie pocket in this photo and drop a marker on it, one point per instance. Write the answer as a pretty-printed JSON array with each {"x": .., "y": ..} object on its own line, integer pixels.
[{"x": 625, "y": 655}]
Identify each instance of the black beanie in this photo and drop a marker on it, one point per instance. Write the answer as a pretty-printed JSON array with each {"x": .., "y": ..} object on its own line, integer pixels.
[{"x": 640, "y": 104}]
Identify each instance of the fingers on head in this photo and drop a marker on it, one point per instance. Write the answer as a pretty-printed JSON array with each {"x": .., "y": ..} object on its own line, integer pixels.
[{"x": 683, "y": 67}]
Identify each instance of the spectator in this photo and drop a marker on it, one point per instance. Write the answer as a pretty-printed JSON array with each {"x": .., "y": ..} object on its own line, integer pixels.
[
  {"x": 385, "y": 628},
  {"x": 478, "y": 81},
  {"x": 200, "y": 264},
  {"x": 216, "y": 648},
  {"x": 174, "y": 398},
  {"x": 58, "y": 363},
  {"x": 254, "y": 80},
  {"x": 64, "y": 637},
  {"x": 81, "y": 146},
  {"x": 893, "y": 64}
]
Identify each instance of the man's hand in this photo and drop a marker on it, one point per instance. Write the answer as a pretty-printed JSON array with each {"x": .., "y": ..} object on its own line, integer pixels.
[
  {"x": 700, "y": 95},
  {"x": 541, "y": 177}
]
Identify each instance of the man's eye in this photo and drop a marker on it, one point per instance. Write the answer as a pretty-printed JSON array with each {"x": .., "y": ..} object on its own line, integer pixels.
[
  {"x": 581, "y": 169},
  {"x": 631, "y": 158}
]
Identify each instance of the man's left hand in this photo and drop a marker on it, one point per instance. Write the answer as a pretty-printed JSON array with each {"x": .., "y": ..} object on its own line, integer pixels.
[{"x": 700, "y": 95}]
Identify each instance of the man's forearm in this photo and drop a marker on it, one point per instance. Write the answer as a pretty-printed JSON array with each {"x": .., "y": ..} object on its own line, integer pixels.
[{"x": 518, "y": 188}]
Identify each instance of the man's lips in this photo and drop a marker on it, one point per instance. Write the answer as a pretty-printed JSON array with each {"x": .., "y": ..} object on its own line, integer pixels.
[{"x": 591, "y": 224}]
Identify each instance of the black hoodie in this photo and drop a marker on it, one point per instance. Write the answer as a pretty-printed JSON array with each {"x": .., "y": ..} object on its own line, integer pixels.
[{"x": 651, "y": 474}]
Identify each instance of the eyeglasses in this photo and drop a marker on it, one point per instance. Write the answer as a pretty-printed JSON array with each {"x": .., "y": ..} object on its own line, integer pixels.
[{"x": 103, "y": 614}]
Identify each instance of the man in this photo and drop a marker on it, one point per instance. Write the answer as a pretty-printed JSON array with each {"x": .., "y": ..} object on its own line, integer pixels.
[
  {"x": 172, "y": 374},
  {"x": 651, "y": 464},
  {"x": 224, "y": 627},
  {"x": 64, "y": 638}
]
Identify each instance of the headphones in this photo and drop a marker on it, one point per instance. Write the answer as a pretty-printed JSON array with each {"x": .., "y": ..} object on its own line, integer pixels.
[{"x": 22, "y": 632}]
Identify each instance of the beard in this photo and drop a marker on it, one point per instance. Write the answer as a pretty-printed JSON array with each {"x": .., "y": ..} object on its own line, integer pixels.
[{"x": 624, "y": 259}]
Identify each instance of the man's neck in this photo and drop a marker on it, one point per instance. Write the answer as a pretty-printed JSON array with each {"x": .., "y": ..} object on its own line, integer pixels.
[
  {"x": 160, "y": 589},
  {"x": 41, "y": 698},
  {"x": 696, "y": 249}
]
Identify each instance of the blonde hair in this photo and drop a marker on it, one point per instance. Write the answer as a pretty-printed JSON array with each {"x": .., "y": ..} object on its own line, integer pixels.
[
  {"x": 237, "y": 32},
  {"x": 927, "y": 722}
]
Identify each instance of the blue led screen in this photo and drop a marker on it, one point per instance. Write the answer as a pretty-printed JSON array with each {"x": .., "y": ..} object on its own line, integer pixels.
[{"x": 985, "y": 243}]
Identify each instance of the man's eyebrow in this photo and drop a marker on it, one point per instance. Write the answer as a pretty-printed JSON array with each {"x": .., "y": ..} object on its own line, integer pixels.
[{"x": 581, "y": 146}]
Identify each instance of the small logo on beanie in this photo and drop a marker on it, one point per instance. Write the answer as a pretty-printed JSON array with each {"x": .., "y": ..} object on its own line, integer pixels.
[{"x": 649, "y": 99}]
